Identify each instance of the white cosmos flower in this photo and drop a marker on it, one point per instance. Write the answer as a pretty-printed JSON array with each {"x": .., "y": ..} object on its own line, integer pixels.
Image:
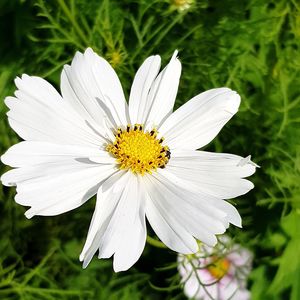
[{"x": 140, "y": 159}]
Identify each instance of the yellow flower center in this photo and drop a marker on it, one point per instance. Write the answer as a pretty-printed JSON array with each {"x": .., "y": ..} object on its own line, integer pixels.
[
  {"x": 219, "y": 267},
  {"x": 139, "y": 150}
]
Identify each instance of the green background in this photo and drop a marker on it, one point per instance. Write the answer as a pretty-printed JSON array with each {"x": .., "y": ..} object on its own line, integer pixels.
[{"x": 251, "y": 46}]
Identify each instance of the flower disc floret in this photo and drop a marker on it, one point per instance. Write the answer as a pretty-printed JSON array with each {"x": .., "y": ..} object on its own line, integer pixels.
[
  {"x": 219, "y": 267},
  {"x": 138, "y": 150}
]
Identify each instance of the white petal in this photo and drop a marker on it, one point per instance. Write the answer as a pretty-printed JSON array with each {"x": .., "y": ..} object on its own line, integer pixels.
[
  {"x": 194, "y": 212},
  {"x": 39, "y": 113},
  {"x": 241, "y": 257},
  {"x": 211, "y": 163},
  {"x": 56, "y": 187},
  {"x": 132, "y": 241},
  {"x": 198, "y": 121},
  {"x": 102, "y": 157},
  {"x": 215, "y": 208},
  {"x": 199, "y": 206},
  {"x": 91, "y": 79},
  {"x": 228, "y": 288},
  {"x": 168, "y": 228},
  {"x": 233, "y": 215},
  {"x": 247, "y": 160},
  {"x": 140, "y": 89},
  {"x": 216, "y": 174},
  {"x": 199, "y": 199},
  {"x": 36, "y": 87},
  {"x": 192, "y": 288},
  {"x": 241, "y": 294},
  {"x": 105, "y": 206},
  {"x": 118, "y": 226},
  {"x": 163, "y": 93},
  {"x": 126, "y": 212},
  {"x": 31, "y": 153},
  {"x": 109, "y": 184},
  {"x": 211, "y": 289}
]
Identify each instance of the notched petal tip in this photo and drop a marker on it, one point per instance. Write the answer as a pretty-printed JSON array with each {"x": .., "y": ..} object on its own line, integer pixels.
[
  {"x": 238, "y": 223},
  {"x": 18, "y": 81},
  {"x": 237, "y": 220},
  {"x": 233, "y": 216},
  {"x": 6, "y": 180},
  {"x": 90, "y": 55},
  {"x": 119, "y": 267},
  {"x": 3, "y": 159},
  {"x": 85, "y": 264},
  {"x": 25, "y": 76},
  {"x": 86, "y": 260},
  {"x": 89, "y": 51},
  {"x": 175, "y": 54},
  {"x": 65, "y": 70},
  {"x": 212, "y": 243},
  {"x": 29, "y": 213},
  {"x": 233, "y": 105},
  {"x": 247, "y": 160},
  {"x": 250, "y": 185},
  {"x": 9, "y": 101},
  {"x": 81, "y": 256}
]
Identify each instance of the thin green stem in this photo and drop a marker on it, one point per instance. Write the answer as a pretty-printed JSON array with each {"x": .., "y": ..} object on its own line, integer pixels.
[
  {"x": 73, "y": 21},
  {"x": 155, "y": 243}
]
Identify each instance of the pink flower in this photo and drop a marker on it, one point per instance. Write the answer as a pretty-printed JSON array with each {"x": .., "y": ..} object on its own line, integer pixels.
[{"x": 218, "y": 273}]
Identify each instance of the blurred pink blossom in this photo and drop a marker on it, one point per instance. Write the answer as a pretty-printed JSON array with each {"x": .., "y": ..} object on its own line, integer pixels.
[{"x": 218, "y": 273}]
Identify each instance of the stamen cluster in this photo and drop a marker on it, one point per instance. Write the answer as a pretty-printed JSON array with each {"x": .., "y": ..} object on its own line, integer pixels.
[
  {"x": 219, "y": 267},
  {"x": 139, "y": 150}
]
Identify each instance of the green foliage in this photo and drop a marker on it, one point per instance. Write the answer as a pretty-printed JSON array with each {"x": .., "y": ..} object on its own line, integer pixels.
[
  {"x": 251, "y": 46},
  {"x": 289, "y": 271}
]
